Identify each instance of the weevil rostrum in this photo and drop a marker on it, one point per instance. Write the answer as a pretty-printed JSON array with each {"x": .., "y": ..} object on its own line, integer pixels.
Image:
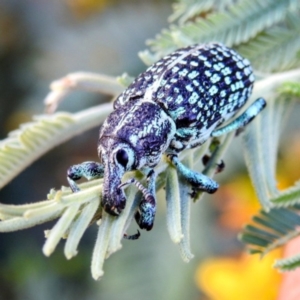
[{"x": 176, "y": 104}]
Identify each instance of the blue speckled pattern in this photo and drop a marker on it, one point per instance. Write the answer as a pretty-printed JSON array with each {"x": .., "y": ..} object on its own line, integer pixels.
[{"x": 199, "y": 87}]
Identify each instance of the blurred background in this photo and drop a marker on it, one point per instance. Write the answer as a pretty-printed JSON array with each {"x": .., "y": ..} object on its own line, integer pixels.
[{"x": 41, "y": 41}]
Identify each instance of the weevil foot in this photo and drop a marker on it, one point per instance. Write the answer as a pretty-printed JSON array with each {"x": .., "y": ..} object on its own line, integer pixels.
[
  {"x": 194, "y": 193},
  {"x": 205, "y": 159},
  {"x": 220, "y": 166},
  {"x": 147, "y": 208},
  {"x": 132, "y": 236},
  {"x": 146, "y": 213}
]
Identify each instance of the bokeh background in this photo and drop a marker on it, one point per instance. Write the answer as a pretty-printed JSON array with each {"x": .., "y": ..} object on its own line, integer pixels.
[{"x": 42, "y": 40}]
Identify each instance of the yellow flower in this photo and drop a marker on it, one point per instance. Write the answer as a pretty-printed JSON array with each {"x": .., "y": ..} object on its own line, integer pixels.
[{"x": 244, "y": 278}]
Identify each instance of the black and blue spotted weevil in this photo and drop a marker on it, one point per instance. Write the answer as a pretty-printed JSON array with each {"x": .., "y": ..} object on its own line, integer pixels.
[{"x": 177, "y": 103}]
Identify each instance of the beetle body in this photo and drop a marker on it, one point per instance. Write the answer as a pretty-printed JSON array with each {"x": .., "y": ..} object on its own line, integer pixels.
[
  {"x": 199, "y": 87},
  {"x": 176, "y": 104}
]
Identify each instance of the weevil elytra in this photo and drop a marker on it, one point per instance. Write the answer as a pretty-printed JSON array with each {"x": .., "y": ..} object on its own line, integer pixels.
[{"x": 176, "y": 104}]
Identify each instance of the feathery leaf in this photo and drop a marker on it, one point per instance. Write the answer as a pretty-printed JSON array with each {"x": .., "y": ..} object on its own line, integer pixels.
[
  {"x": 188, "y": 9},
  {"x": 238, "y": 24},
  {"x": 288, "y": 264},
  {"x": 289, "y": 197},
  {"x": 32, "y": 140},
  {"x": 276, "y": 48},
  {"x": 271, "y": 230}
]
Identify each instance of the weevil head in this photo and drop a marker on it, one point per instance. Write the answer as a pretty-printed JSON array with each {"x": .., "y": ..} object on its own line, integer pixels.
[{"x": 132, "y": 137}]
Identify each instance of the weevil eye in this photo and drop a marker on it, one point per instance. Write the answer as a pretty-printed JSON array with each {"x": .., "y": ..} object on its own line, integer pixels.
[{"x": 122, "y": 157}]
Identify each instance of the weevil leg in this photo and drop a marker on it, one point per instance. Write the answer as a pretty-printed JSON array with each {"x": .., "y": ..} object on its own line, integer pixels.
[
  {"x": 205, "y": 159},
  {"x": 132, "y": 237},
  {"x": 197, "y": 180},
  {"x": 220, "y": 166},
  {"x": 245, "y": 118},
  {"x": 147, "y": 208},
  {"x": 88, "y": 169}
]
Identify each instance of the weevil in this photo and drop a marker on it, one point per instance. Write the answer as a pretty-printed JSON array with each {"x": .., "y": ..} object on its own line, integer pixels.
[{"x": 176, "y": 104}]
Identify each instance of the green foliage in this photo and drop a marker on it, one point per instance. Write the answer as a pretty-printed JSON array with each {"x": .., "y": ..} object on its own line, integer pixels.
[
  {"x": 271, "y": 230},
  {"x": 187, "y": 10},
  {"x": 288, "y": 264},
  {"x": 279, "y": 222},
  {"x": 262, "y": 29},
  {"x": 276, "y": 48},
  {"x": 266, "y": 32},
  {"x": 290, "y": 88},
  {"x": 288, "y": 198},
  {"x": 31, "y": 140}
]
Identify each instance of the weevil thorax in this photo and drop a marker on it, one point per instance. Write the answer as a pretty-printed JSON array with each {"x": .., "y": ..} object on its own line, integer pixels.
[{"x": 133, "y": 136}]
